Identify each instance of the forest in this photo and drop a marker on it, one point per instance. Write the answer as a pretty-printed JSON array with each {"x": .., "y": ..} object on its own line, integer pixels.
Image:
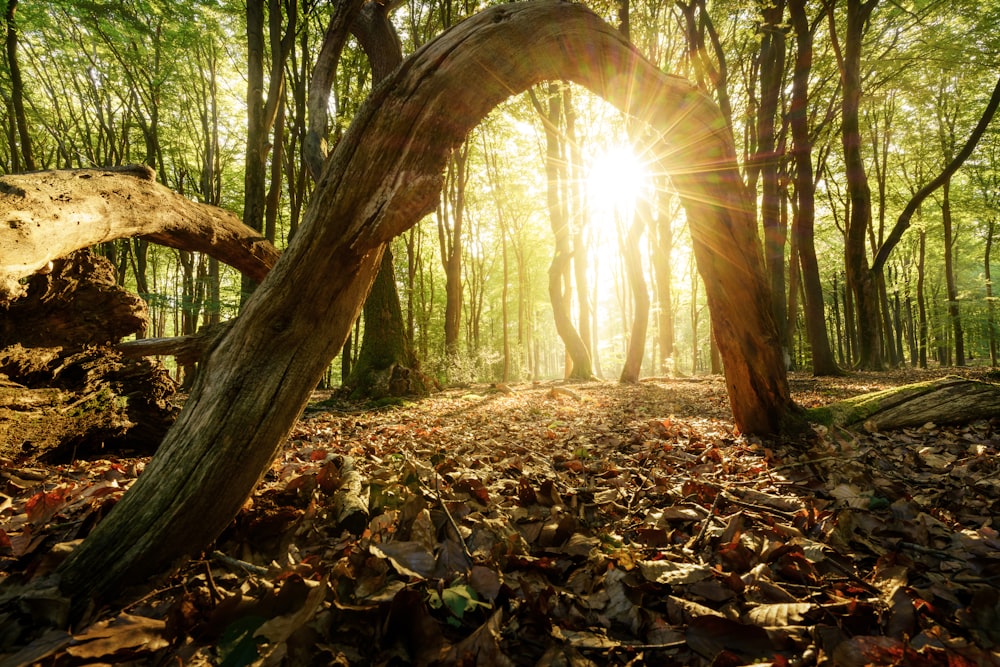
[
  {"x": 523, "y": 322},
  {"x": 166, "y": 86}
]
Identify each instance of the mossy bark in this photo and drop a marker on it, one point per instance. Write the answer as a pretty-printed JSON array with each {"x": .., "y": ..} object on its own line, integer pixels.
[{"x": 946, "y": 400}]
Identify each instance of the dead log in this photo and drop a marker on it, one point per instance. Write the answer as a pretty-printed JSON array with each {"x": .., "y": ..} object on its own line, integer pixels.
[
  {"x": 947, "y": 400},
  {"x": 185, "y": 349},
  {"x": 47, "y": 215},
  {"x": 64, "y": 393},
  {"x": 76, "y": 303}
]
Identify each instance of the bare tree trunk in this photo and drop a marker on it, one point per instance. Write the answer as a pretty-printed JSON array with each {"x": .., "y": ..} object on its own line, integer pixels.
[
  {"x": 560, "y": 270},
  {"x": 991, "y": 323},
  {"x": 662, "y": 270},
  {"x": 262, "y": 110},
  {"x": 859, "y": 279},
  {"x": 954, "y": 315},
  {"x": 17, "y": 91},
  {"x": 640, "y": 294},
  {"x": 374, "y": 188},
  {"x": 804, "y": 213}
]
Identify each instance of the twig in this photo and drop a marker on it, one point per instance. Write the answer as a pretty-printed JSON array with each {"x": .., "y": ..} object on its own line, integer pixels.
[
  {"x": 250, "y": 568},
  {"x": 447, "y": 513},
  {"x": 704, "y": 526}
]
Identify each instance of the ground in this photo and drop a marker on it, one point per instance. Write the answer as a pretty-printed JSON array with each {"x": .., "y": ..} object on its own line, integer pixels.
[{"x": 554, "y": 524}]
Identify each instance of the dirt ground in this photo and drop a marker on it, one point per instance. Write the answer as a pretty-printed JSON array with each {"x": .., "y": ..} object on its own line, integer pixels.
[{"x": 554, "y": 524}]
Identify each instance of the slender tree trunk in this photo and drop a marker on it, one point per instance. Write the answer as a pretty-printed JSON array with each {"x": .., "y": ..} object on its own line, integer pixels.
[
  {"x": 804, "y": 213},
  {"x": 17, "y": 90},
  {"x": 921, "y": 302},
  {"x": 662, "y": 261},
  {"x": 862, "y": 284},
  {"x": 560, "y": 274},
  {"x": 451, "y": 216},
  {"x": 954, "y": 315},
  {"x": 991, "y": 323},
  {"x": 262, "y": 105},
  {"x": 767, "y": 158},
  {"x": 640, "y": 293}
]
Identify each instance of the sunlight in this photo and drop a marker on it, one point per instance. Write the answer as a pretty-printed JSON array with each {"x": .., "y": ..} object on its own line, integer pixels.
[{"x": 616, "y": 179}]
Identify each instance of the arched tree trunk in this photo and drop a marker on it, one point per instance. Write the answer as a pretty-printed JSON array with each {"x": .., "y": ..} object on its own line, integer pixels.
[
  {"x": 382, "y": 178},
  {"x": 98, "y": 205}
]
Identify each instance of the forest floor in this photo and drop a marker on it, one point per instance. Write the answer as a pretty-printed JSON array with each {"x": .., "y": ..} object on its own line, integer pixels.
[{"x": 556, "y": 524}]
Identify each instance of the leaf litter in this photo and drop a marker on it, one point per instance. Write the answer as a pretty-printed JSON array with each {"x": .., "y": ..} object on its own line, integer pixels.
[{"x": 551, "y": 524}]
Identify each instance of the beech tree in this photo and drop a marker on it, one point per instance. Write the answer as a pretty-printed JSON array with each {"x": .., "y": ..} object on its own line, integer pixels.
[{"x": 383, "y": 176}]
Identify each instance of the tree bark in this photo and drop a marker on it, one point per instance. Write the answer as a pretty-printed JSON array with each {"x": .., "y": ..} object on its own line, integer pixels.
[
  {"x": 948, "y": 400},
  {"x": 17, "y": 91},
  {"x": 991, "y": 323},
  {"x": 560, "y": 269},
  {"x": 640, "y": 295},
  {"x": 50, "y": 214},
  {"x": 373, "y": 188},
  {"x": 860, "y": 281},
  {"x": 803, "y": 222},
  {"x": 951, "y": 285}
]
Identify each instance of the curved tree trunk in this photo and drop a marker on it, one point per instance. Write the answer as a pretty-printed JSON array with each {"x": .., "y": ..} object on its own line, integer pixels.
[
  {"x": 640, "y": 294},
  {"x": 97, "y": 205},
  {"x": 382, "y": 178}
]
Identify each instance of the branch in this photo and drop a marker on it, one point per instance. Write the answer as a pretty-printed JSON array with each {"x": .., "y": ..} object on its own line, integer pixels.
[
  {"x": 50, "y": 214},
  {"x": 903, "y": 223}
]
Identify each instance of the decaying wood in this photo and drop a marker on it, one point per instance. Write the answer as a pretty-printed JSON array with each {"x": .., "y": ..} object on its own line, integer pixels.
[
  {"x": 91, "y": 402},
  {"x": 47, "y": 215},
  {"x": 76, "y": 303},
  {"x": 385, "y": 175},
  {"x": 64, "y": 391},
  {"x": 350, "y": 504},
  {"x": 948, "y": 400},
  {"x": 185, "y": 349}
]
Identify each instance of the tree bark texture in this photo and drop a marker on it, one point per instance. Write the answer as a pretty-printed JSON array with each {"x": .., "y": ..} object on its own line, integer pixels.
[
  {"x": 47, "y": 215},
  {"x": 948, "y": 400},
  {"x": 803, "y": 222},
  {"x": 860, "y": 280},
  {"x": 383, "y": 177}
]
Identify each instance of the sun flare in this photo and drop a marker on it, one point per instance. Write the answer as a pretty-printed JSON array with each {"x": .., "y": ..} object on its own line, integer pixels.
[{"x": 616, "y": 180}]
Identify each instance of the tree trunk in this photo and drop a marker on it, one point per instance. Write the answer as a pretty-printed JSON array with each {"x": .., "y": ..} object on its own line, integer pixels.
[
  {"x": 262, "y": 106},
  {"x": 98, "y": 205},
  {"x": 259, "y": 375},
  {"x": 451, "y": 215},
  {"x": 948, "y": 400},
  {"x": 560, "y": 269},
  {"x": 804, "y": 219},
  {"x": 385, "y": 365},
  {"x": 954, "y": 316},
  {"x": 991, "y": 323},
  {"x": 767, "y": 159},
  {"x": 640, "y": 295},
  {"x": 17, "y": 92},
  {"x": 662, "y": 261},
  {"x": 860, "y": 281},
  {"x": 921, "y": 302}
]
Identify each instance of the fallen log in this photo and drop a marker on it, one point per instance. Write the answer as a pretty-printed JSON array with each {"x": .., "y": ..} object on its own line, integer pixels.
[
  {"x": 947, "y": 400},
  {"x": 47, "y": 215},
  {"x": 64, "y": 392}
]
